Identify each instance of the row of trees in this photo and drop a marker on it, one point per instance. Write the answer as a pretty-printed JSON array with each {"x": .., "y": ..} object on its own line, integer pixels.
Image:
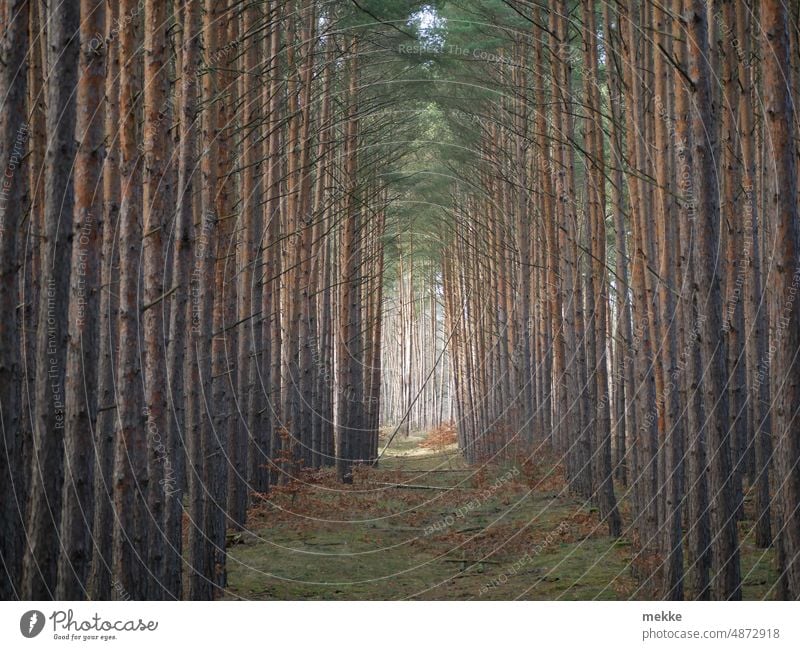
[
  {"x": 191, "y": 244},
  {"x": 622, "y": 273},
  {"x": 416, "y": 393},
  {"x": 204, "y": 202}
]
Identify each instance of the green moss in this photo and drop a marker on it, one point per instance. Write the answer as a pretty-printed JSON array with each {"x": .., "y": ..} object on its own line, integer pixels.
[{"x": 459, "y": 544}]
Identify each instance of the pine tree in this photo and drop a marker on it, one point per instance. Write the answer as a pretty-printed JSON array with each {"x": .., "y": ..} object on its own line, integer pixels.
[
  {"x": 13, "y": 136},
  {"x": 40, "y": 565},
  {"x": 82, "y": 347}
]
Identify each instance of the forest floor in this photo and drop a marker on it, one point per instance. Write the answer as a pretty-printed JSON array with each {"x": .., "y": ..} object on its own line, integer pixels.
[{"x": 425, "y": 526}]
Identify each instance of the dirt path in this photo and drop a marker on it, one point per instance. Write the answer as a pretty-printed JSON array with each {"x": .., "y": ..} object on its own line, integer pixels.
[{"x": 424, "y": 526}]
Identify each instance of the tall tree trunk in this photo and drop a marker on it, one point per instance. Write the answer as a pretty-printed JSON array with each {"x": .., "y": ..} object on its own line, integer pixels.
[
  {"x": 250, "y": 434},
  {"x": 698, "y": 540},
  {"x": 725, "y": 569},
  {"x": 271, "y": 247},
  {"x": 14, "y": 134},
  {"x": 733, "y": 315},
  {"x": 100, "y": 576},
  {"x": 130, "y": 463},
  {"x": 349, "y": 331},
  {"x": 671, "y": 421},
  {"x": 205, "y": 445},
  {"x": 40, "y": 568},
  {"x": 756, "y": 336},
  {"x": 82, "y": 351},
  {"x": 779, "y": 113},
  {"x": 623, "y": 383},
  {"x": 158, "y": 199},
  {"x": 180, "y": 355},
  {"x": 598, "y": 365}
]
